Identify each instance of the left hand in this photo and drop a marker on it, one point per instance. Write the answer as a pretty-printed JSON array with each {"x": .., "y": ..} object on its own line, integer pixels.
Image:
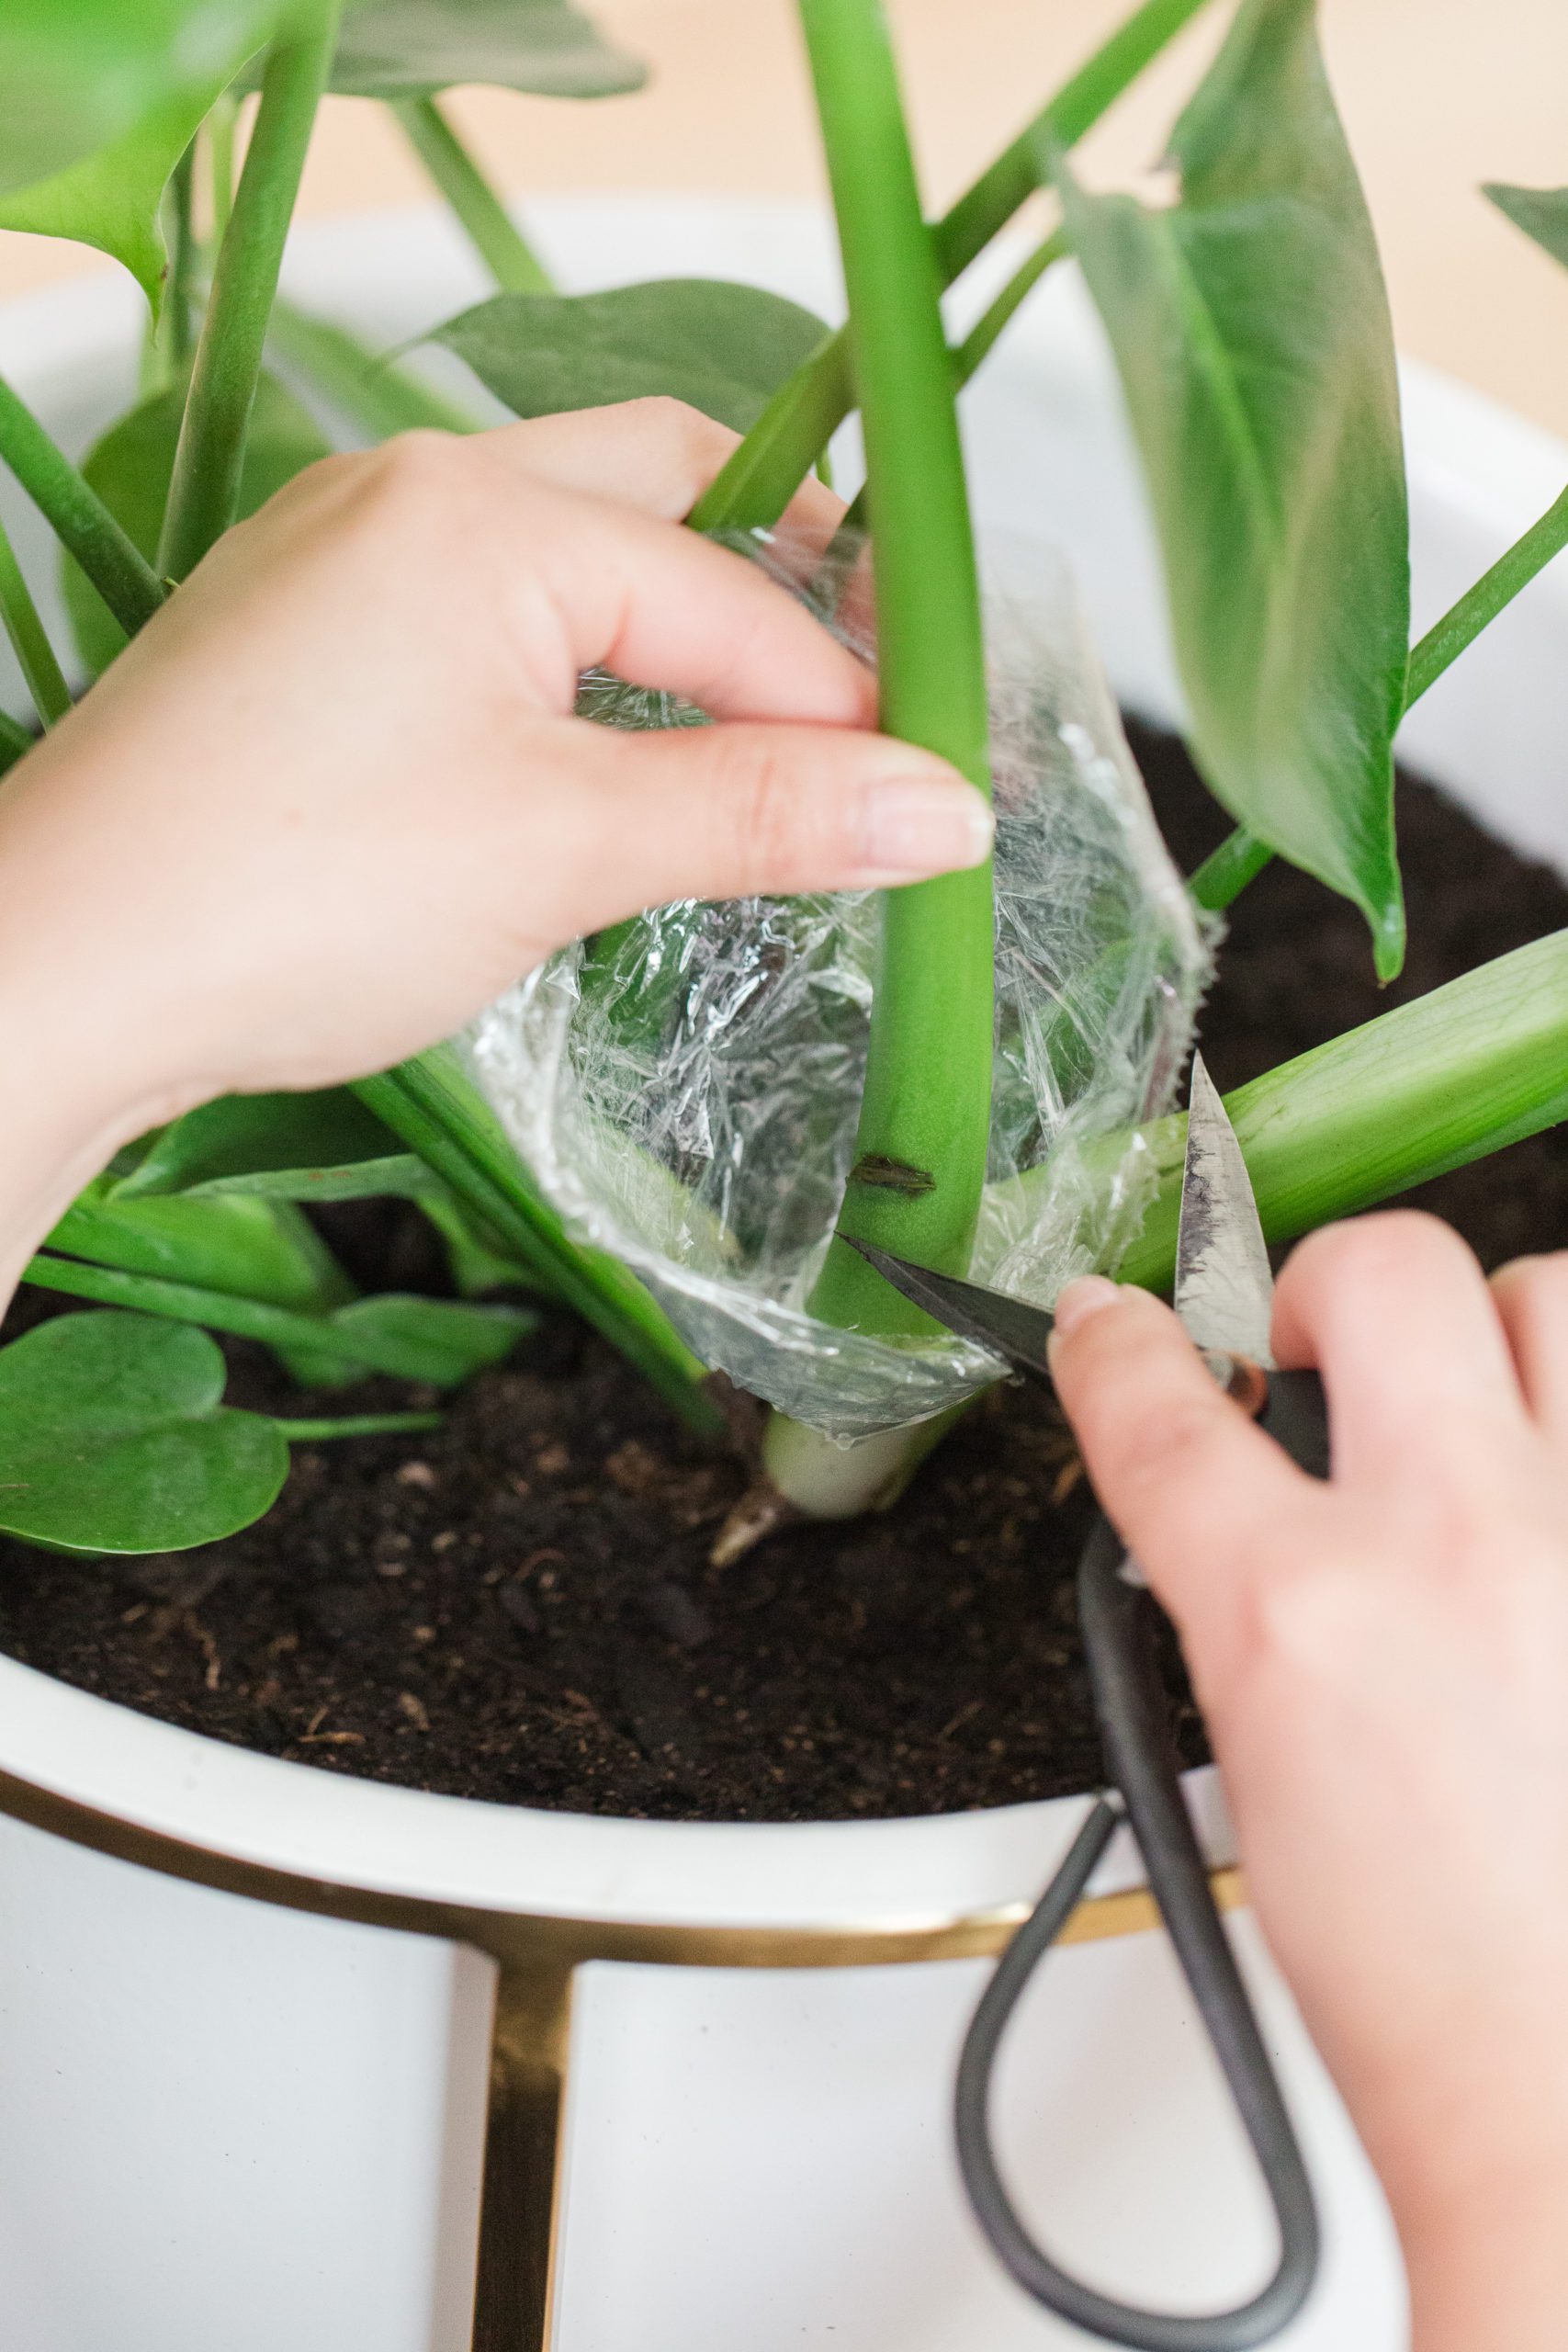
[{"x": 334, "y": 799}]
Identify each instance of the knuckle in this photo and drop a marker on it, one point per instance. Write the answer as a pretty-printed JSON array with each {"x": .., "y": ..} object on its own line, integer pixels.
[
  {"x": 677, "y": 423},
  {"x": 1300, "y": 1619},
  {"x": 763, "y": 814},
  {"x": 1368, "y": 1250},
  {"x": 1541, "y": 1283},
  {"x": 414, "y": 473}
]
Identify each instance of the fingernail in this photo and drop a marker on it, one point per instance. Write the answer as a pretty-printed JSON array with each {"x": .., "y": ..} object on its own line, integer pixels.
[
  {"x": 1082, "y": 1298},
  {"x": 916, "y": 826}
]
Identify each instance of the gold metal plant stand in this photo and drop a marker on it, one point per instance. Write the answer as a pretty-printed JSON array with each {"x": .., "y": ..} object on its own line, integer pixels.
[{"x": 537, "y": 1959}]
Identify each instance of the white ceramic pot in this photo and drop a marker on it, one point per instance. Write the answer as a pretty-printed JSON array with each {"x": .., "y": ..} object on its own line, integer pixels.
[{"x": 228, "y": 2122}]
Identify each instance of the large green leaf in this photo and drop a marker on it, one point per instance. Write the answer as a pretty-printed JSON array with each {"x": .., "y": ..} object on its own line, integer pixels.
[
  {"x": 1250, "y": 326},
  {"x": 723, "y": 347},
  {"x": 114, "y": 1437},
  {"x": 320, "y": 1146},
  {"x": 408, "y": 49},
  {"x": 131, "y": 467},
  {"x": 1541, "y": 212},
  {"x": 113, "y": 198},
  {"x": 76, "y": 74}
]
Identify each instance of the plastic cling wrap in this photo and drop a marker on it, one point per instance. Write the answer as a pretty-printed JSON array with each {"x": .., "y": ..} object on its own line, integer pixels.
[{"x": 685, "y": 1088}]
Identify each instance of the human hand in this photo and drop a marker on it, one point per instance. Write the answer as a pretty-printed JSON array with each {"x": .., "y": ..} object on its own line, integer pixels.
[
  {"x": 1383, "y": 1661},
  {"x": 333, "y": 800}
]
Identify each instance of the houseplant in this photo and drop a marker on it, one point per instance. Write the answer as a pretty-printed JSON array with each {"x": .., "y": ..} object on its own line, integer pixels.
[{"x": 1270, "y": 444}]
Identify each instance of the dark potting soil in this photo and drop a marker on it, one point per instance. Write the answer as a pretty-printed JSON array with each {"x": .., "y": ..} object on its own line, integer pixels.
[{"x": 519, "y": 1606}]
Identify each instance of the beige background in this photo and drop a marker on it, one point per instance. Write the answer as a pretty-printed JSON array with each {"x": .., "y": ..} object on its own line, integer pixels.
[{"x": 1437, "y": 94}]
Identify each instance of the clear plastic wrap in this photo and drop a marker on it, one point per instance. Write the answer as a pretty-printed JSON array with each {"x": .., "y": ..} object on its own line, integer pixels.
[{"x": 685, "y": 1089}]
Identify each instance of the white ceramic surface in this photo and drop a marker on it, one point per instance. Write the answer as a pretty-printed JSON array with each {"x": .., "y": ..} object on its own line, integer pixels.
[{"x": 224, "y": 2128}]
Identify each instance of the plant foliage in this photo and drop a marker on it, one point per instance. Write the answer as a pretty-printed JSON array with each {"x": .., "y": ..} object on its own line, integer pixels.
[
  {"x": 130, "y": 468},
  {"x": 1251, "y": 329},
  {"x": 117, "y": 1439},
  {"x": 722, "y": 348}
]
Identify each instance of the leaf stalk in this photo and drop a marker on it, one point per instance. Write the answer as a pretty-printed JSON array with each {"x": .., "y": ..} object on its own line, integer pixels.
[{"x": 205, "y": 488}]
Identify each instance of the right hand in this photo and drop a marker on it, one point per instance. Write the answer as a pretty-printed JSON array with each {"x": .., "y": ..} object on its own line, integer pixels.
[{"x": 1382, "y": 1662}]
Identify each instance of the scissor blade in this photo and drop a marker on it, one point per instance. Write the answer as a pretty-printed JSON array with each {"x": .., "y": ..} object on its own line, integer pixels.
[
  {"x": 1010, "y": 1327},
  {"x": 1224, "y": 1288}
]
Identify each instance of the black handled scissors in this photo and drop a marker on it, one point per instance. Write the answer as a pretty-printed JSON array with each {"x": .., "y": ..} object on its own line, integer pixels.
[{"x": 1224, "y": 1294}]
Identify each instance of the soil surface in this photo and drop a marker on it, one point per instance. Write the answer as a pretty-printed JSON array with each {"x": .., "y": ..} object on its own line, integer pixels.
[{"x": 520, "y": 1607}]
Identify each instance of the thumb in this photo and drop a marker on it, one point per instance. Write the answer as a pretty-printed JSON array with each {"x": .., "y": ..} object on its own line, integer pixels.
[{"x": 721, "y": 812}]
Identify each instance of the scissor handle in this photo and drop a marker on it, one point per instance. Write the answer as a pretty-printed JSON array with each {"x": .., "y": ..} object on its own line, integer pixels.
[{"x": 1119, "y": 1618}]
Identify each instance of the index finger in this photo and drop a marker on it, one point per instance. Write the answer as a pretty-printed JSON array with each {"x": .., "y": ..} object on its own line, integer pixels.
[{"x": 1191, "y": 1484}]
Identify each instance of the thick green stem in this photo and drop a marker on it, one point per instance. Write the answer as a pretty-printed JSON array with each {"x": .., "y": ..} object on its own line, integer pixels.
[
  {"x": 1228, "y": 870},
  {"x": 357, "y": 1425},
  {"x": 778, "y": 453},
  {"x": 1460, "y": 1073},
  {"x": 927, "y": 1103},
  {"x": 500, "y": 245},
  {"x": 216, "y": 1310},
  {"x": 205, "y": 487},
  {"x": 77, "y": 516},
  {"x": 30, "y": 640},
  {"x": 429, "y": 1103},
  {"x": 378, "y": 396}
]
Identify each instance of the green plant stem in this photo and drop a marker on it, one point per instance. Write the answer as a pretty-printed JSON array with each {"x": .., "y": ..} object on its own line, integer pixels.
[
  {"x": 184, "y": 257},
  {"x": 13, "y": 741},
  {"x": 977, "y": 345},
  {"x": 357, "y": 1425},
  {"x": 219, "y": 128},
  {"x": 376, "y": 395},
  {"x": 1228, "y": 870},
  {"x": 206, "y": 482},
  {"x": 35, "y": 655},
  {"x": 1462, "y": 1072},
  {"x": 500, "y": 245},
  {"x": 432, "y": 1107},
  {"x": 216, "y": 1310},
  {"x": 982, "y": 335},
  {"x": 775, "y": 456},
  {"x": 77, "y": 516},
  {"x": 928, "y": 1086},
  {"x": 1479, "y": 605}
]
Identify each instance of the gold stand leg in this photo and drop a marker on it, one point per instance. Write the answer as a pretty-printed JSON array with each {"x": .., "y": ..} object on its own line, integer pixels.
[{"x": 524, "y": 2144}]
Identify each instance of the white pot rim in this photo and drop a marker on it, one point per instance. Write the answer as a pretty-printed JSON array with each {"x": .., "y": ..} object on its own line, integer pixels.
[{"x": 882, "y": 1876}]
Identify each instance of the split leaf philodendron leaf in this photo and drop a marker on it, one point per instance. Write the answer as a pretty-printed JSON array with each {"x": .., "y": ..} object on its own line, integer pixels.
[
  {"x": 130, "y": 468},
  {"x": 725, "y": 348},
  {"x": 1541, "y": 212},
  {"x": 113, "y": 198},
  {"x": 114, "y": 1437},
  {"x": 321, "y": 1146},
  {"x": 411, "y": 49},
  {"x": 76, "y": 74},
  {"x": 1250, "y": 327}
]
